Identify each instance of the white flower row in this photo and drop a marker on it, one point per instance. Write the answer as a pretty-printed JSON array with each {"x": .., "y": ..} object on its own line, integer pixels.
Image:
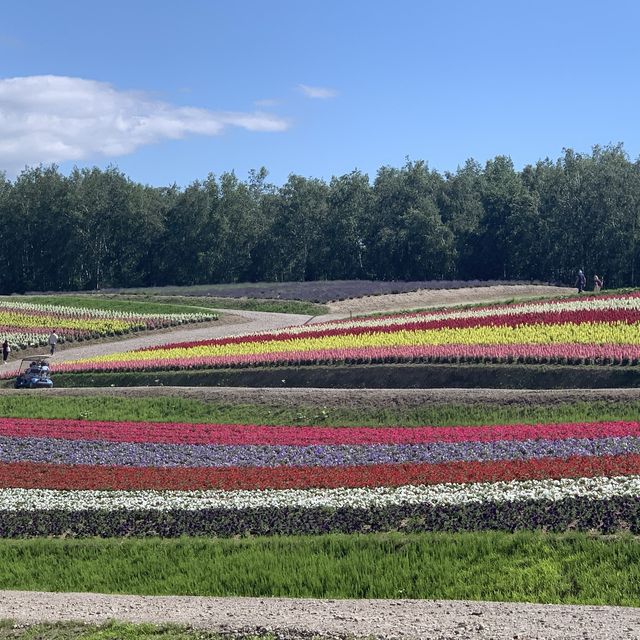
[
  {"x": 25, "y": 339},
  {"x": 100, "y": 313},
  {"x": 360, "y": 498}
]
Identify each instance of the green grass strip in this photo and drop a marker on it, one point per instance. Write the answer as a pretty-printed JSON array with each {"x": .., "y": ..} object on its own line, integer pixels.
[
  {"x": 532, "y": 566},
  {"x": 177, "y": 409},
  {"x": 114, "y": 631}
]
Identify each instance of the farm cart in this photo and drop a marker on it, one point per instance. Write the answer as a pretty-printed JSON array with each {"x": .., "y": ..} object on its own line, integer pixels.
[{"x": 34, "y": 373}]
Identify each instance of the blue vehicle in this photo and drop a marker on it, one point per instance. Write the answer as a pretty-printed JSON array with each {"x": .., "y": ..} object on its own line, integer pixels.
[{"x": 34, "y": 373}]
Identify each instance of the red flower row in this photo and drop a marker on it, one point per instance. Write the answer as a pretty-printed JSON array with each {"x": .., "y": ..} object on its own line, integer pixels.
[
  {"x": 626, "y": 316},
  {"x": 67, "y": 477},
  {"x": 230, "y": 434}
]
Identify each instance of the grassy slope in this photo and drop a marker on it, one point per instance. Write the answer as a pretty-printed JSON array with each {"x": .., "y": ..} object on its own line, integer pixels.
[
  {"x": 175, "y": 409},
  {"x": 533, "y": 567}
]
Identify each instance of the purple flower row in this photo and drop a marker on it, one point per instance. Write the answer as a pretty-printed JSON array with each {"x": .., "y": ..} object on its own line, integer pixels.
[
  {"x": 97, "y": 452},
  {"x": 586, "y": 514}
]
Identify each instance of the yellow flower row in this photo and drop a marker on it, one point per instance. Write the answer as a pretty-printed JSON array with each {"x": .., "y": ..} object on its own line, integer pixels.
[
  {"x": 587, "y": 333},
  {"x": 100, "y": 325}
]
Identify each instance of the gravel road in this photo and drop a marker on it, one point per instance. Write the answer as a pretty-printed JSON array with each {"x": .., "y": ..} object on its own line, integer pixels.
[
  {"x": 425, "y": 298},
  {"x": 302, "y": 618}
]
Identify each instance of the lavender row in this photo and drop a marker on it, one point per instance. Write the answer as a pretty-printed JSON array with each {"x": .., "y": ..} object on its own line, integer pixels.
[
  {"x": 323, "y": 290},
  {"x": 584, "y": 514},
  {"x": 96, "y": 452}
]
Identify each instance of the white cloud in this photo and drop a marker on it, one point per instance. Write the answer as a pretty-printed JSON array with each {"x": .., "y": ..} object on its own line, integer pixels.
[
  {"x": 45, "y": 119},
  {"x": 317, "y": 92}
]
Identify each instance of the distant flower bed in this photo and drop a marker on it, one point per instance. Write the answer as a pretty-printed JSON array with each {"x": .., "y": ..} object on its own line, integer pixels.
[
  {"x": 591, "y": 330},
  {"x": 320, "y": 290},
  {"x": 28, "y": 325},
  {"x": 76, "y": 477}
]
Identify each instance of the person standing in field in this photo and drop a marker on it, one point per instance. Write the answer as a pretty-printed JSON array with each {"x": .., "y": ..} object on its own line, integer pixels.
[
  {"x": 6, "y": 349},
  {"x": 53, "y": 341},
  {"x": 581, "y": 281},
  {"x": 597, "y": 284}
]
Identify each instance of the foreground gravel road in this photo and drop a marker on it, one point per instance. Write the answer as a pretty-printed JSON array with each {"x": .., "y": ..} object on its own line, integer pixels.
[{"x": 301, "y": 618}]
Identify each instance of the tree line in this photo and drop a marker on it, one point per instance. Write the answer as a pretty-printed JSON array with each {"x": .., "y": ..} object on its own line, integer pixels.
[{"x": 97, "y": 228}]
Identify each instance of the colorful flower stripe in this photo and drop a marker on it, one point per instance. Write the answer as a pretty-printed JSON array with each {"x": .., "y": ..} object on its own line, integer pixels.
[
  {"x": 612, "y": 316},
  {"x": 588, "y": 334},
  {"x": 6, "y": 328},
  {"x": 88, "y": 452},
  {"x": 229, "y": 434},
  {"x": 67, "y": 477},
  {"x": 61, "y": 311},
  {"x": 603, "y": 302},
  {"x": 559, "y": 353},
  {"x": 603, "y": 330},
  {"x": 595, "y": 488},
  {"x": 26, "y": 324},
  {"x": 89, "y": 324},
  {"x": 625, "y": 308}
]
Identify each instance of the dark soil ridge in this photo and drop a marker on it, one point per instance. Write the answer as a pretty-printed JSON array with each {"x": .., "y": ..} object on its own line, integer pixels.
[{"x": 375, "y": 376}]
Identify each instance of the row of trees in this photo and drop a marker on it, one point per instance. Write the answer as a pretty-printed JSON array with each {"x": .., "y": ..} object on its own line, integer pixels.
[{"x": 96, "y": 228}]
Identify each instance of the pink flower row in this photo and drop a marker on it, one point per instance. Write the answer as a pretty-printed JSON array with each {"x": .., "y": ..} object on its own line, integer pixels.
[
  {"x": 11, "y": 328},
  {"x": 615, "y": 352},
  {"x": 225, "y": 434}
]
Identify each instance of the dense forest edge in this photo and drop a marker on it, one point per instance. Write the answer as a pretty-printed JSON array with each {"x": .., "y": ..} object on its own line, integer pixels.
[{"x": 96, "y": 228}]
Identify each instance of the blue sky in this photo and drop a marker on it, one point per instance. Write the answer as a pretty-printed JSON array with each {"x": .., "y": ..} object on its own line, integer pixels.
[{"x": 171, "y": 91}]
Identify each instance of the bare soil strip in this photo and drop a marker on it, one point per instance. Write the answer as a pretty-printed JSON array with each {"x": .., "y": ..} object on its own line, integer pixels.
[
  {"x": 426, "y": 298},
  {"x": 301, "y": 618},
  {"x": 353, "y": 398}
]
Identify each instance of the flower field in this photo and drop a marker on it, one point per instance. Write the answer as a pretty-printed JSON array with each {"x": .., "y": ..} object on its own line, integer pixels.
[
  {"x": 313, "y": 291},
  {"x": 591, "y": 330},
  {"x": 26, "y": 324},
  {"x": 102, "y": 478}
]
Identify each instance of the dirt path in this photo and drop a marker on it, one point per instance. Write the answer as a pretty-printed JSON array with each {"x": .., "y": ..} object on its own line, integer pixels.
[
  {"x": 426, "y": 298},
  {"x": 302, "y": 618}
]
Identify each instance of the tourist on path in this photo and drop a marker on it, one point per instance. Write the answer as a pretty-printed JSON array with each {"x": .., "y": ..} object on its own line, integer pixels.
[
  {"x": 53, "y": 341},
  {"x": 581, "y": 281},
  {"x": 597, "y": 284}
]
